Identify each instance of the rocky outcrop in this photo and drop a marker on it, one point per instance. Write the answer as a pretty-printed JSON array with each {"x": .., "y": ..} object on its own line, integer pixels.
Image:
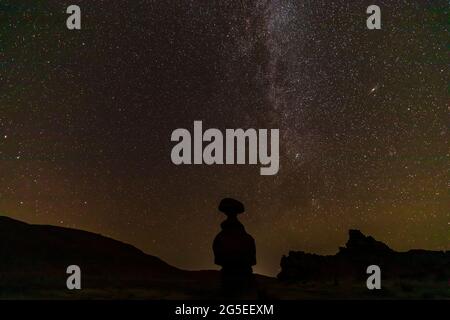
[{"x": 360, "y": 251}]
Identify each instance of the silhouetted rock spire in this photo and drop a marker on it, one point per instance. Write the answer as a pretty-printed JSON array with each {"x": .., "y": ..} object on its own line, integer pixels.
[{"x": 234, "y": 249}]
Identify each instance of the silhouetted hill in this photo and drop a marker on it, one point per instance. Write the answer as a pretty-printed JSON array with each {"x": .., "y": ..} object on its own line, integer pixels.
[
  {"x": 36, "y": 254},
  {"x": 361, "y": 251}
]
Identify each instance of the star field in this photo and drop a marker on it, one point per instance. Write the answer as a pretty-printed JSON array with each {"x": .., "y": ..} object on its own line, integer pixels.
[{"x": 86, "y": 118}]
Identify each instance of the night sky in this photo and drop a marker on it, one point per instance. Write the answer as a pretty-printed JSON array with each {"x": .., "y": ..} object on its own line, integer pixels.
[{"x": 86, "y": 118}]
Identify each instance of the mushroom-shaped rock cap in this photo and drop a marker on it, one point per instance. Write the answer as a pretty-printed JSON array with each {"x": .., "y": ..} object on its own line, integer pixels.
[{"x": 231, "y": 206}]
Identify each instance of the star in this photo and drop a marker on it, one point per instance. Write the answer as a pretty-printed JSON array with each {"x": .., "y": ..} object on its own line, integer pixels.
[{"x": 375, "y": 88}]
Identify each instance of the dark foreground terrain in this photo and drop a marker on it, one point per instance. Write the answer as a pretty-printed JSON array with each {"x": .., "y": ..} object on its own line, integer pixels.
[{"x": 34, "y": 258}]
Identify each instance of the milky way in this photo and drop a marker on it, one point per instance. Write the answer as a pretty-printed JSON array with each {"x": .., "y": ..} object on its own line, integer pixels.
[{"x": 86, "y": 118}]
